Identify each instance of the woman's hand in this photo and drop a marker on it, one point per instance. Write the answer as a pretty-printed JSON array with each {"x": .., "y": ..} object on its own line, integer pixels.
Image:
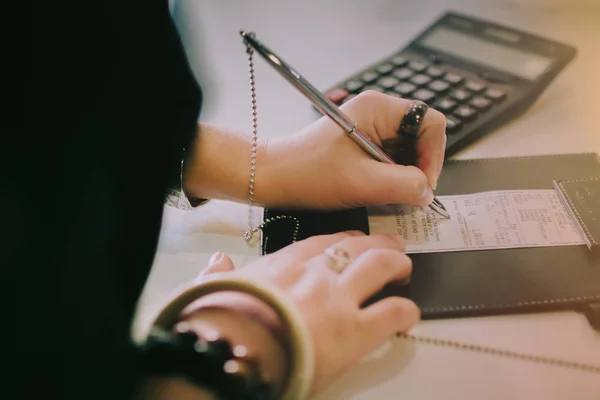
[
  {"x": 320, "y": 166},
  {"x": 330, "y": 302}
]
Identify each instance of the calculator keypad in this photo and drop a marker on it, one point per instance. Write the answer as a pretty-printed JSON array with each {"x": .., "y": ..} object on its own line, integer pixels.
[
  {"x": 460, "y": 100},
  {"x": 385, "y": 68},
  {"x": 403, "y": 73},
  {"x": 405, "y": 88},
  {"x": 420, "y": 79},
  {"x": 424, "y": 95}
]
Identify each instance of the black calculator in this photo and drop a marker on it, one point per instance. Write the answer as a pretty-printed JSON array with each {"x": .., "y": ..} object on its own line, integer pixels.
[{"x": 479, "y": 74}]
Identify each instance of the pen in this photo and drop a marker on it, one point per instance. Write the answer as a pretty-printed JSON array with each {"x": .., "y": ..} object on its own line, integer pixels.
[{"x": 328, "y": 108}]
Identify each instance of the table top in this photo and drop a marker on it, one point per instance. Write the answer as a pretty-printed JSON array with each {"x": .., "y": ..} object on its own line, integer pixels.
[{"x": 351, "y": 35}]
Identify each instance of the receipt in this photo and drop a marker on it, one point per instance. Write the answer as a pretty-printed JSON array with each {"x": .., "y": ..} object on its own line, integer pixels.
[{"x": 481, "y": 221}]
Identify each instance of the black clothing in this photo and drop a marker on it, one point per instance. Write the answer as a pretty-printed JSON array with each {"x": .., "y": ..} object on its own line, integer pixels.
[{"x": 109, "y": 103}]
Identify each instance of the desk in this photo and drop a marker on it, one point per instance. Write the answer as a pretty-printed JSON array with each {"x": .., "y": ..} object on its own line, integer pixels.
[{"x": 403, "y": 370}]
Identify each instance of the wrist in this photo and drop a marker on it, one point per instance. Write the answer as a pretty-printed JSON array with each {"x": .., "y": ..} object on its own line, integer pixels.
[
  {"x": 245, "y": 333},
  {"x": 218, "y": 164}
]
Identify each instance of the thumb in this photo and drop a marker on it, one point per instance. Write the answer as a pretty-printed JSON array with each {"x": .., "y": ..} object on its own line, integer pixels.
[
  {"x": 402, "y": 184},
  {"x": 219, "y": 262}
]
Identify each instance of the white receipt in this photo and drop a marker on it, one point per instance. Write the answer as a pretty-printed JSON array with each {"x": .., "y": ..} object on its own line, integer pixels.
[{"x": 481, "y": 221}]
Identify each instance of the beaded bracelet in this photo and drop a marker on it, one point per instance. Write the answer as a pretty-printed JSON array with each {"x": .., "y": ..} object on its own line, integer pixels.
[
  {"x": 208, "y": 362},
  {"x": 301, "y": 353}
]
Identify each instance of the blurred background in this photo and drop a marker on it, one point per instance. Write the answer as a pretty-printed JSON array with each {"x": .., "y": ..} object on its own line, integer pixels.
[{"x": 328, "y": 40}]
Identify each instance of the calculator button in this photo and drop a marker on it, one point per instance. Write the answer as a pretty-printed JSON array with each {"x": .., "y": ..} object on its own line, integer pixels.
[
  {"x": 403, "y": 73},
  {"x": 480, "y": 103},
  {"x": 369, "y": 77},
  {"x": 465, "y": 113},
  {"x": 385, "y": 68},
  {"x": 445, "y": 105},
  {"x": 452, "y": 124},
  {"x": 374, "y": 87},
  {"x": 495, "y": 94},
  {"x": 435, "y": 72},
  {"x": 405, "y": 88},
  {"x": 388, "y": 82},
  {"x": 453, "y": 78},
  {"x": 438, "y": 86},
  {"x": 347, "y": 99},
  {"x": 417, "y": 66},
  {"x": 474, "y": 86},
  {"x": 336, "y": 95},
  {"x": 423, "y": 95},
  {"x": 420, "y": 79},
  {"x": 354, "y": 86},
  {"x": 398, "y": 61},
  {"x": 460, "y": 94}
]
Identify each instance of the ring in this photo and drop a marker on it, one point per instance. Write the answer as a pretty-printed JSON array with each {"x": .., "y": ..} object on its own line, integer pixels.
[
  {"x": 413, "y": 118},
  {"x": 338, "y": 259}
]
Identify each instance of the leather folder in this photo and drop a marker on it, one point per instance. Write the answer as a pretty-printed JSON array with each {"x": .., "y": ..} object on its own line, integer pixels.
[{"x": 490, "y": 282}]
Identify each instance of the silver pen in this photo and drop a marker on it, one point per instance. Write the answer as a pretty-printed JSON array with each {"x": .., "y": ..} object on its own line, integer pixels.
[{"x": 328, "y": 108}]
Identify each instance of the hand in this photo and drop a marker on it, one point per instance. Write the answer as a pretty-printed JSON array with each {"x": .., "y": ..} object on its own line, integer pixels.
[
  {"x": 320, "y": 167},
  {"x": 342, "y": 332}
]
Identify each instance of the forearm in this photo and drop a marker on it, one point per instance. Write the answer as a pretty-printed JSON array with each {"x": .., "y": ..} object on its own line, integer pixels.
[{"x": 218, "y": 164}]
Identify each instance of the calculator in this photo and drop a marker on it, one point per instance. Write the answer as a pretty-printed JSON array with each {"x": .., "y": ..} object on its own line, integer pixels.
[{"x": 478, "y": 73}]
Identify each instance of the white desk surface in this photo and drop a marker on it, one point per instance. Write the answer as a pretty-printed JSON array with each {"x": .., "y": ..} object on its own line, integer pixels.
[{"x": 327, "y": 40}]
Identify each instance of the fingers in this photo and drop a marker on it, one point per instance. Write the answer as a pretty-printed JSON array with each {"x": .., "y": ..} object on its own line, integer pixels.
[
  {"x": 401, "y": 185},
  {"x": 372, "y": 270},
  {"x": 357, "y": 245},
  {"x": 382, "y": 116},
  {"x": 219, "y": 262},
  {"x": 386, "y": 318},
  {"x": 315, "y": 245}
]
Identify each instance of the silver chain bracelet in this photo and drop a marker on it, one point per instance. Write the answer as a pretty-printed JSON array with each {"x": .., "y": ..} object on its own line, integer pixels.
[{"x": 249, "y": 236}]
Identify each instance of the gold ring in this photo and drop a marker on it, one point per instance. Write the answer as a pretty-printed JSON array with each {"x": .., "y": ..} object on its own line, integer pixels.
[{"x": 338, "y": 259}]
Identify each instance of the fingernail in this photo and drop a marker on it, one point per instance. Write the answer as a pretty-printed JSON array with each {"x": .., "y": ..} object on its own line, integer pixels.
[
  {"x": 216, "y": 258},
  {"x": 427, "y": 196},
  {"x": 434, "y": 187}
]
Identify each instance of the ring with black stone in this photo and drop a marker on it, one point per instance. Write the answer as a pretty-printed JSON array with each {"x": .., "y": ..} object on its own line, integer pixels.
[{"x": 413, "y": 118}]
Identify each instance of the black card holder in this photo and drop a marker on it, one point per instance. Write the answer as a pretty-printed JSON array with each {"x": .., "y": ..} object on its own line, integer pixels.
[
  {"x": 484, "y": 282},
  {"x": 278, "y": 234}
]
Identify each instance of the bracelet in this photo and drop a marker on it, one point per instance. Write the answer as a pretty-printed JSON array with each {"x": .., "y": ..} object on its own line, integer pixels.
[
  {"x": 208, "y": 362},
  {"x": 301, "y": 372}
]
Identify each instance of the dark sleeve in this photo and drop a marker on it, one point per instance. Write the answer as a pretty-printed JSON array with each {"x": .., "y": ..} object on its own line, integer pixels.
[{"x": 109, "y": 102}]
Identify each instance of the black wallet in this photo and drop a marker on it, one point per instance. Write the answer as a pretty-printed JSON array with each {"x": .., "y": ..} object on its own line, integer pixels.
[{"x": 490, "y": 282}]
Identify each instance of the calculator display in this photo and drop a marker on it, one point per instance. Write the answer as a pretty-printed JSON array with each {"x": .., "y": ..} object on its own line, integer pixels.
[{"x": 514, "y": 61}]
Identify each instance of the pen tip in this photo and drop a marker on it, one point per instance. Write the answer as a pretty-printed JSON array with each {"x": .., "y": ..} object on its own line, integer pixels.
[{"x": 243, "y": 33}]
